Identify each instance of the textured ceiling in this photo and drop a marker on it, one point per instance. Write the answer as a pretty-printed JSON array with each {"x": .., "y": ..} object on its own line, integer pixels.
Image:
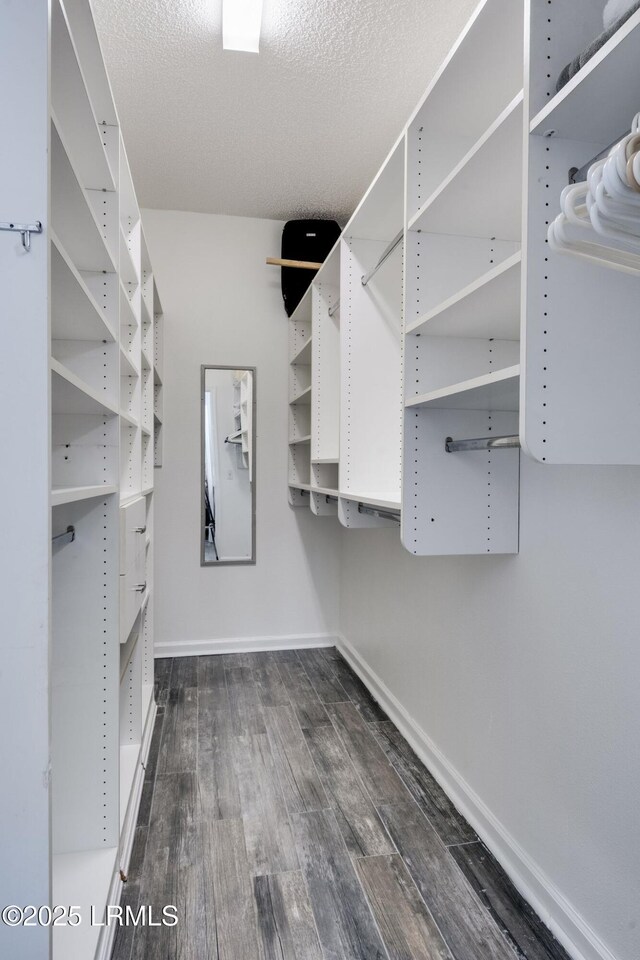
[{"x": 299, "y": 129}]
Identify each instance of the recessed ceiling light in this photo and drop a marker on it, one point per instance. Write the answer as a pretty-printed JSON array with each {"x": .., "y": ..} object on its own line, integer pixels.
[{"x": 241, "y": 22}]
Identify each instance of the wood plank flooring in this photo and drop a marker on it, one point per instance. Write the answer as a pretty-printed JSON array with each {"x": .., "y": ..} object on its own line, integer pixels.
[{"x": 286, "y": 818}]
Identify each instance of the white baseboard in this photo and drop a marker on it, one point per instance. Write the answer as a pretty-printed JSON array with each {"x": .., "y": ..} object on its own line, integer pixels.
[
  {"x": 196, "y": 648},
  {"x": 108, "y": 933},
  {"x": 564, "y": 921}
]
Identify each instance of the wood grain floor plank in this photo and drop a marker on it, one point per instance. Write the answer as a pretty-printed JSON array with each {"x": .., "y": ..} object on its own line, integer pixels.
[
  {"x": 285, "y": 919},
  {"x": 369, "y": 709},
  {"x": 269, "y": 841},
  {"x": 356, "y": 815},
  {"x": 228, "y": 886},
  {"x": 284, "y": 656},
  {"x": 343, "y": 919},
  {"x": 450, "y": 825},
  {"x": 219, "y": 796},
  {"x": 328, "y": 688},
  {"x": 244, "y": 704},
  {"x": 408, "y": 929},
  {"x": 124, "y": 937},
  {"x": 175, "y": 873},
  {"x": 379, "y": 777},
  {"x": 184, "y": 672},
  {"x": 271, "y": 688},
  {"x": 296, "y": 770},
  {"x": 467, "y": 928},
  {"x": 302, "y": 696},
  {"x": 210, "y": 672},
  {"x": 231, "y": 660},
  {"x": 511, "y": 912},
  {"x": 161, "y": 678},
  {"x": 178, "y": 747}
]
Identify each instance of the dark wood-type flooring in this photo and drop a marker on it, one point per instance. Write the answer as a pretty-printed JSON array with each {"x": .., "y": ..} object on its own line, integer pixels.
[{"x": 286, "y": 818}]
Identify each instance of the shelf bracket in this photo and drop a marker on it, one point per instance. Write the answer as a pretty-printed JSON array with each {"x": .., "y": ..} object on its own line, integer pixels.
[{"x": 25, "y": 230}]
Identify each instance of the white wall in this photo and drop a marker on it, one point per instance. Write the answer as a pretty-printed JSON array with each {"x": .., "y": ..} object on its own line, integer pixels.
[
  {"x": 222, "y": 304},
  {"x": 523, "y": 672}
]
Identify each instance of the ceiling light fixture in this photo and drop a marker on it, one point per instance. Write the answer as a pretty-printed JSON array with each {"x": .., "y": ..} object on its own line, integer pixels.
[{"x": 241, "y": 22}]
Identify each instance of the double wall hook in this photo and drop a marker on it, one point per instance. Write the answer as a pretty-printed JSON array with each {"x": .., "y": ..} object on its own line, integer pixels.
[{"x": 25, "y": 230}]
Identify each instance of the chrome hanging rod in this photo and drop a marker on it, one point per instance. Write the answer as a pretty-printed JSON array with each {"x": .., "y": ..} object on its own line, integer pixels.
[
  {"x": 330, "y": 499},
  {"x": 24, "y": 229},
  {"x": 483, "y": 443},
  {"x": 334, "y": 308},
  {"x": 67, "y": 537},
  {"x": 385, "y": 256},
  {"x": 379, "y": 513},
  {"x": 579, "y": 174}
]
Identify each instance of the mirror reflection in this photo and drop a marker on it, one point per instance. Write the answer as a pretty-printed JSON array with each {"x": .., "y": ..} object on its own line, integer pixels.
[{"x": 228, "y": 465}]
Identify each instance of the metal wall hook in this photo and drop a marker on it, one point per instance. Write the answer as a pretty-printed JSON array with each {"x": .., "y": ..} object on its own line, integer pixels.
[{"x": 25, "y": 230}]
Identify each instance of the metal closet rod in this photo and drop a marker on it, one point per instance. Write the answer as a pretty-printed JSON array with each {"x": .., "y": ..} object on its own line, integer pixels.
[
  {"x": 368, "y": 276},
  {"x": 379, "y": 513},
  {"x": 579, "y": 174},
  {"x": 67, "y": 537},
  {"x": 482, "y": 443},
  {"x": 385, "y": 256}
]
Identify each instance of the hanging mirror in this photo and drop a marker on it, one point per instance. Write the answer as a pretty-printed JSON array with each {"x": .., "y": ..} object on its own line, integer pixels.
[{"x": 228, "y": 496}]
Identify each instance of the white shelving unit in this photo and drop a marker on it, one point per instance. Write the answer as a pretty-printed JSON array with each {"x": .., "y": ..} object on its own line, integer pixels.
[
  {"x": 429, "y": 346},
  {"x": 85, "y": 357},
  {"x": 581, "y": 341}
]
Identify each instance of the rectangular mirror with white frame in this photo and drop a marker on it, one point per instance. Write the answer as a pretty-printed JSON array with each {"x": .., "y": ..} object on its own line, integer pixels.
[{"x": 228, "y": 488}]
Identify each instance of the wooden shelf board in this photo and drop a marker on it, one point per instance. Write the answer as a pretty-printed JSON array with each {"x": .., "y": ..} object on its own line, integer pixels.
[
  {"x": 325, "y": 491},
  {"x": 303, "y": 399},
  {"x": 590, "y": 107},
  {"x": 146, "y": 491},
  {"x": 127, "y": 366},
  {"x": 127, "y": 314},
  {"x": 70, "y": 394},
  {"x": 383, "y": 500},
  {"x": 300, "y": 486},
  {"x": 482, "y": 196},
  {"x": 84, "y": 880},
  {"x": 75, "y": 315},
  {"x": 128, "y": 270},
  {"x": 493, "y": 391},
  {"x": 146, "y": 431},
  {"x": 303, "y": 356},
  {"x": 303, "y": 311},
  {"x": 379, "y": 215},
  {"x": 146, "y": 362},
  {"x": 127, "y": 420},
  {"x": 487, "y": 308},
  {"x": 71, "y": 101},
  {"x": 81, "y": 233},
  {"x": 147, "y": 314},
  {"x": 157, "y": 377},
  {"x": 61, "y": 495},
  {"x": 292, "y": 443},
  {"x": 325, "y": 460}
]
